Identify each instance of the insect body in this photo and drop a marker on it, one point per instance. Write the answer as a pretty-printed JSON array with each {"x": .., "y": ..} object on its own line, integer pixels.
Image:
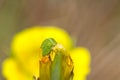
[{"x": 47, "y": 46}]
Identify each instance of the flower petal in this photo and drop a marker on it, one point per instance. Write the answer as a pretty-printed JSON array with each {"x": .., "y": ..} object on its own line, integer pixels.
[
  {"x": 81, "y": 61},
  {"x": 11, "y": 71}
]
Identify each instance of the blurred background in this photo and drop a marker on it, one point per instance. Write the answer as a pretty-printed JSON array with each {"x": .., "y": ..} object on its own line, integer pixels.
[{"x": 94, "y": 24}]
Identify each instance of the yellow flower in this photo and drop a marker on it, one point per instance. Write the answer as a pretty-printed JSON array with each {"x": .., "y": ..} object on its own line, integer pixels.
[{"x": 23, "y": 63}]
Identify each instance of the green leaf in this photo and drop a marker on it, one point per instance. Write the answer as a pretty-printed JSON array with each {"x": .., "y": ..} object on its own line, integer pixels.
[{"x": 56, "y": 67}]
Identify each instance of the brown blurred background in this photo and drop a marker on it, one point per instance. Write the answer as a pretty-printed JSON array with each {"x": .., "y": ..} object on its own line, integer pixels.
[{"x": 94, "y": 24}]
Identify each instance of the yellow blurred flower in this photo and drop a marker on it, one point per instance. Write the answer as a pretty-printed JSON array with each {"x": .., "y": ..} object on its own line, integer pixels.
[{"x": 23, "y": 63}]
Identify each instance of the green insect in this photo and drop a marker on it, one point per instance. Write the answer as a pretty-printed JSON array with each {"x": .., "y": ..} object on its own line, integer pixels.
[
  {"x": 47, "y": 46},
  {"x": 55, "y": 64}
]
